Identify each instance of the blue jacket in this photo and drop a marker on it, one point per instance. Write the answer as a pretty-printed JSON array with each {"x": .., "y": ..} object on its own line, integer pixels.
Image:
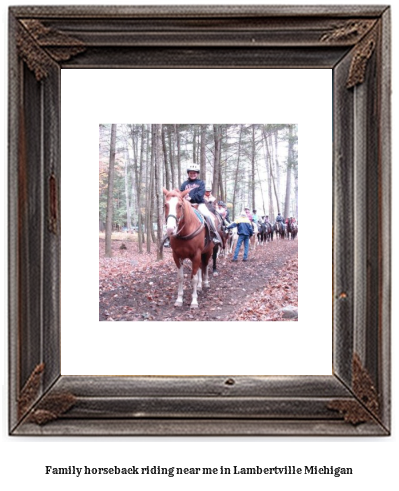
[
  {"x": 197, "y": 190},
  {"x": 244, "y": 226}
]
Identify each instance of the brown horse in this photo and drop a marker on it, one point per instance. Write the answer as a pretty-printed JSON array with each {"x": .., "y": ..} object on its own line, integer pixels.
[
  {"x": 218, "y": 249},
  {"x": 187, "y": 240}
]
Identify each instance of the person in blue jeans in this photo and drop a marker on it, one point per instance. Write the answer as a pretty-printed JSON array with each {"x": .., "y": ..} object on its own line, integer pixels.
[{"x": 244, "y": 231}]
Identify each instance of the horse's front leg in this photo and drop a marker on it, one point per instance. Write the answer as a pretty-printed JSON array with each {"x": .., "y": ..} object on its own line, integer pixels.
[
  {"x": 205, "y": 270},
  {"x": 195, "y": 279},
  {"x": 199, "y": 284},
  {"x": 180, "y": 280}
]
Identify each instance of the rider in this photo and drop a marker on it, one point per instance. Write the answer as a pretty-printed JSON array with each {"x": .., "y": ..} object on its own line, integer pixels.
[
  {"x": 250, "y": 217},
  {"x": 279, "y": 218},
  {"x": 208, "y": 197},
  {"x": 196, "y": 196},
  {"x": 248, "y": 213},
  {"x": 265, "y": 220},
  {"x": 291, "y": 221},
  {"x": 221, "y": 208},
  {"x": 254, "y": 217}
]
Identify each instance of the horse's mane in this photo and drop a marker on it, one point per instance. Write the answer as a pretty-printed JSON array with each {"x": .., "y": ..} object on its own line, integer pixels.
[
  {"x": 174, "y": 192},
  {"x": 211, "y": 207},
  {"x": 177, "y": 193}
]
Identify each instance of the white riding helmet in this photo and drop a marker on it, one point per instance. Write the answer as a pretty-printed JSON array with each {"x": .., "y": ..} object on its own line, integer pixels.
[
  {"x": 208, "y": 188},
  {"x": 193, "y": 167}
]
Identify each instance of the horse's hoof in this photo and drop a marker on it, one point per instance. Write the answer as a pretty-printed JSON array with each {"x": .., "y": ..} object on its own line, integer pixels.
[
  {"x": 178, "y": 304},
  {"x": 215, "y": 273},
  {"x": 206, "y": 285},
  {"x": 194, "y": 306}
]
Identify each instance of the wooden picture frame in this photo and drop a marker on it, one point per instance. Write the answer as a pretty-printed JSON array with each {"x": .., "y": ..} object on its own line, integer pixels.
[{"x": 352, "y": 41}]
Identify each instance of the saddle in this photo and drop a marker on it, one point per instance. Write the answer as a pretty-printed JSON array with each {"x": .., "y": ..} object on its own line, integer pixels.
[{"x": 204, "y": 221}]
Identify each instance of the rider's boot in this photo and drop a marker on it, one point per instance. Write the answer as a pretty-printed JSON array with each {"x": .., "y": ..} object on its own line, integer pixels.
[{"x": 216, "y": 237}]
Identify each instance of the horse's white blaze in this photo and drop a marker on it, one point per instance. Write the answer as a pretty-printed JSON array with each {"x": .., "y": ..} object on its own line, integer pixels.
[{"x": 171, "y": 224}]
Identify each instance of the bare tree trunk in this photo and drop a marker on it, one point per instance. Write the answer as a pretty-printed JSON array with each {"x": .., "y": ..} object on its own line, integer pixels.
[
  {"x": 289, "y": 166},
  {"x": 158, "y": 191},
  {"x": 236, "y": 173},
  {"x": 203, "y": 152},
  {"x": 141, "y": 177},
  {"x": 134, "y": 202},
  {"x": 178, "y": 155},
  {"x": 165, "y": 156},
  {"x": 128, "y": 211},
  {"x": 216, "y": 165},
  {"x": 220, "y": 194},
  {"x": 253, "y": 168},
  {"x": 154, "y": 188},
  {"x": 261, "y": 190},
  {"x": 172, "y": 157},
  {"x": 270, "y": 178},
  {"x": 110, "y": 194},
  {"x": 195, "y": 143},
  {"x": 277, "y": 167},
  {"x": 150, "y": 190},
  {"x": 138, "y": 173}
]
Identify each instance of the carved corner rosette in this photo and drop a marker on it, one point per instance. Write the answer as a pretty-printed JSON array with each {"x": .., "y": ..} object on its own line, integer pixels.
[
  {"x": 361, "y": 33},
  {"x": 351, "y": 31},
  {"x": 52, "y": 407},
  {"x": 39, "y": 46},
  {"x": 363, "y": 53},
  {"x": 367, "y": 406},
  {"x": 49, "y": 408},
  {"x": 30, "y": 390}
]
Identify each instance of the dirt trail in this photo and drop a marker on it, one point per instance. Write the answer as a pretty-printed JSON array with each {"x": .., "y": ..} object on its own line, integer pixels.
[{"x": 130, "y": 291}]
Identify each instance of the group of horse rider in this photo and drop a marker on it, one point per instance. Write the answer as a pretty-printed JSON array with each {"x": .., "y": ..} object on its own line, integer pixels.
[{"x": 201, "y": 195}]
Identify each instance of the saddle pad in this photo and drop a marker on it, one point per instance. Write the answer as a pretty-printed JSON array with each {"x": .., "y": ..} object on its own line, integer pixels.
[{"x": 200, "y": 217}]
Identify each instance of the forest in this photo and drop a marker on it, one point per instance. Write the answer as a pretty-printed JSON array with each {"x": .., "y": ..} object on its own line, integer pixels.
[{"x": 245, "y": 165}]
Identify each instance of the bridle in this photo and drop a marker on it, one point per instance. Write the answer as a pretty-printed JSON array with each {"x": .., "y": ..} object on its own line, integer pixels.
[{"x": 178, "y": 220}]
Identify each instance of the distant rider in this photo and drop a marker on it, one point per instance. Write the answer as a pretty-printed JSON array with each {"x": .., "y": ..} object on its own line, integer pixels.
[
  {"x": 248, "y": 213},
  {"x": 279, "y": 218},
  {"x": 208, "y": 197},
  {"x": 255, "y": 217},
  {"x": 221, "y": 208}
]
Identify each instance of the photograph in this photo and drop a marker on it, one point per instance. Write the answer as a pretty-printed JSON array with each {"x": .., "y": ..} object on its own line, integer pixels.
[
  {"x": 182, "y": 206},
  {"x": 200, "y": 134}
]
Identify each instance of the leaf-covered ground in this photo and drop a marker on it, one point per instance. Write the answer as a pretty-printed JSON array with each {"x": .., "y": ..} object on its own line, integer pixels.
[{"x": 136, "y": 287}]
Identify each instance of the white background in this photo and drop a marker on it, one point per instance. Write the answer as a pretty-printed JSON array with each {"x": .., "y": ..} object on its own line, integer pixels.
[
  {"x": 374, "y": 460},
  {"x": 194, "y": 348}
]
